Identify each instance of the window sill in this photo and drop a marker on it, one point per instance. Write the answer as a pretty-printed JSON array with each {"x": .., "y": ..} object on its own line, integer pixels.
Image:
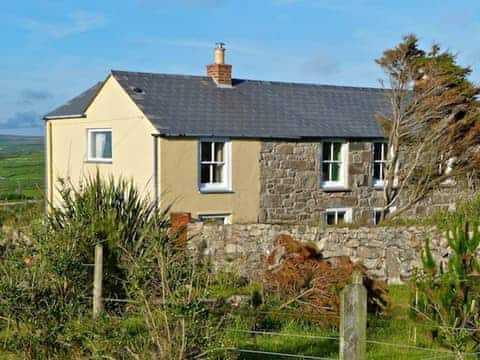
[
  {"x": 92, "y": 161},
  {"x": 215, "y": 191},
  {"x": 335, "y": 189}
]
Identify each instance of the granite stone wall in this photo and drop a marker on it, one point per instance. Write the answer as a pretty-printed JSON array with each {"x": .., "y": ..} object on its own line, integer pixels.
[
  {"x": 290, "y": 191},
  {"x": 390, "y": 253}
]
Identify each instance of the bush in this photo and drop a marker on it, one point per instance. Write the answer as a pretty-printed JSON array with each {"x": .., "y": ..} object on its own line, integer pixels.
[
  {"x": 448, "y": 295},
  {"x": 45, "y": 288}
]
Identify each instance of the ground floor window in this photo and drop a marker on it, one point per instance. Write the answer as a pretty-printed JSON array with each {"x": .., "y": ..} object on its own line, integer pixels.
[
  {"x": 338, "y": 216},
  {"x": 377, "y": 215},
  {"x": 215, "y": 218}
]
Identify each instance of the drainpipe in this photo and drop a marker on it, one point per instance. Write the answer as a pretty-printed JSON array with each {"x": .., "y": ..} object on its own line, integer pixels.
[
  {"x": 155, "y": 171},
  {"x": 48, "y": 165},
  {"x": 45, "y": 175}
]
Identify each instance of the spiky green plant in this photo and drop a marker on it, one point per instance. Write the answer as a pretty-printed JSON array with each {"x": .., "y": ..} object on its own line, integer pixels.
[{"x": 448, "y": 294}]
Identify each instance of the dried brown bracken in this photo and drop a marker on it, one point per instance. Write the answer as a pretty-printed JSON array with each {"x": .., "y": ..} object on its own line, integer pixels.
[{"x": 306, "y": 281}]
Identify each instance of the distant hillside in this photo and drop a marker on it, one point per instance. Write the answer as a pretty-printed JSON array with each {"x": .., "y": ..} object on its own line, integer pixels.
[{"x": 12, "y": 144}]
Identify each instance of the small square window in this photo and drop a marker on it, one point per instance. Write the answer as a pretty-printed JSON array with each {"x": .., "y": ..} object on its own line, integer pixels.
[
  {"x": 217, "y": 219},
  {"x": 99, "y": 143},
  {"x": 338, "y": 216}
]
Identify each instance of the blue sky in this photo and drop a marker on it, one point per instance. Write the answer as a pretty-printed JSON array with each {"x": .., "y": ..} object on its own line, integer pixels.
[{"x": 52, "y": 50}]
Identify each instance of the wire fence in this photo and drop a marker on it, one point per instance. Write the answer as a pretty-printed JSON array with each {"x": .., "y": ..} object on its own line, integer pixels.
[
  {"x": 425, "y": 353},
  {"x": 321, "y": 342}
]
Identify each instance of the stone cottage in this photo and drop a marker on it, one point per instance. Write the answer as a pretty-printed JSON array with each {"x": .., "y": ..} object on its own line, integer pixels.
[{"x": 231, "y": 150}]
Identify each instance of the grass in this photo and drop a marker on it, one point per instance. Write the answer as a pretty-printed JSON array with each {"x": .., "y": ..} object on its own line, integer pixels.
[
  {"x": 305, "y": 337},
  {"x": 21, "y": 215},
  {"x": 21, "y": 168}
]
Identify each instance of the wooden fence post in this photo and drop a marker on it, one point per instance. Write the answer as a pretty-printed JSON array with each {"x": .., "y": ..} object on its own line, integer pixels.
[
  {"x": 98, "y": 281},
  {"x": 353, "y": 320}
]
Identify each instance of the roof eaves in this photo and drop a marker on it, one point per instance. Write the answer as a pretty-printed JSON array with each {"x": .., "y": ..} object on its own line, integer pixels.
[{"x": 76, "y": 116}]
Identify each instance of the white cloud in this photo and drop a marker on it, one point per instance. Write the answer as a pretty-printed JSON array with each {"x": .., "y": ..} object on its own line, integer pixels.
[{"x": 78, "y": 22}]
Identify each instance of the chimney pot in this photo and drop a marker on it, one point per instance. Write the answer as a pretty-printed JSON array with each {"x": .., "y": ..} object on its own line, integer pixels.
[
  {"x": 220, "y": 72},
  {"x": 220, "y": 53}
]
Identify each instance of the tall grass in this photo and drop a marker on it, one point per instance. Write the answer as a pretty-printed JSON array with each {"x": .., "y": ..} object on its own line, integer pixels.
[{"x": 46, "y": 287}]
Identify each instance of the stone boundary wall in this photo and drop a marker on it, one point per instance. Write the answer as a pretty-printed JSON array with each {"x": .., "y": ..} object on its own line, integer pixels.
[{"x": 389, "y": 253}]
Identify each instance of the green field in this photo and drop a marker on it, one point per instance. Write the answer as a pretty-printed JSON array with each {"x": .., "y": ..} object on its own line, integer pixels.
[{"x": 21, "y": 167}]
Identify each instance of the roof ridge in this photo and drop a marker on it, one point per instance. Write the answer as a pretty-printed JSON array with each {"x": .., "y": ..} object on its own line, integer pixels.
[{"x": 292, "y": 83}]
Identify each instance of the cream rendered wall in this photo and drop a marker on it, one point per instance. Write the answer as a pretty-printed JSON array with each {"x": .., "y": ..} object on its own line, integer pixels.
[
  {"x": 178, "y": 180},
  {"x": 132, "y": 143}
]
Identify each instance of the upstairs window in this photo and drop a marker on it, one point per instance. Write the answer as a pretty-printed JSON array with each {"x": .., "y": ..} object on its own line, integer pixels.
[
  {"x": 99, "y": 143},
  {"x": 333, "y": 164},
  {"x": 214, "y": 167},
  {"x": 338, "y": 216},
  {"x": 379, "y": 161}
]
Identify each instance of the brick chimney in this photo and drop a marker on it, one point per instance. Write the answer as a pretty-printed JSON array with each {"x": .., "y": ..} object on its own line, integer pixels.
[{"x": 220, "y": 72}]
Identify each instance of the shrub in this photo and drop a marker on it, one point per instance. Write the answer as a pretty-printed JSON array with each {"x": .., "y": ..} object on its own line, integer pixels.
[{"x": 449, "y": 295}]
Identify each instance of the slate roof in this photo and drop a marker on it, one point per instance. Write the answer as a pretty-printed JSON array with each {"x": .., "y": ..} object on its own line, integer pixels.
[
  {"x": 194, "y": 106},
  {"x": 76, "y": 106}
]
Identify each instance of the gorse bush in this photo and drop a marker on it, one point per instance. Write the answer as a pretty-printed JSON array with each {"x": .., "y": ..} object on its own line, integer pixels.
[
  {"x": 46, "y": 287},
  {"x": 448, "y": 295}
]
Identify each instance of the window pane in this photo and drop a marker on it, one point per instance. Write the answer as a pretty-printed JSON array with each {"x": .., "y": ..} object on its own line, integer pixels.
[
  {"x": 92, "y": 144},
  {"x": 378, "y": 216},
  {"x": 205, "y": 174},
  {"x": 206, "y": 151},
  {"x": 385, "y": 149},
  {"x": 101, "y": 145},
  {"x": 340, "y": 217},
  {"x": 107, "y": 148},
  {"x": 376, "y": 171},
  {"x": 330, "y": 218},
  {"x": 219, "y": 151},
  {"x": 337, "y": 151},
  {"x": 325, "y": 173},
  {"x": 217, "y": 220},
  {"x": 335, "y": 172},
  {"x": 377, "y": 151},
  {"x": 217, "y": 173},
  {"x": 326, "y": 151}
]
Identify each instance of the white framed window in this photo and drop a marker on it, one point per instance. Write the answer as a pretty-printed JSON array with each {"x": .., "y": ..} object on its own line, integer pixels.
[
  {"x": 378, "y": 166},
  {"x": 215, "y": 218},
  {"x": 214, "y": 170},
  {"x": 99, "y": 145},
  {"x": 338, "y": 216},
  {"x": 334, "y": 155}
]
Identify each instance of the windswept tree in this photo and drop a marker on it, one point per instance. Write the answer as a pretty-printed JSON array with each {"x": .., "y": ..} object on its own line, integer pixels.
[{"x": 433, "y": 127}]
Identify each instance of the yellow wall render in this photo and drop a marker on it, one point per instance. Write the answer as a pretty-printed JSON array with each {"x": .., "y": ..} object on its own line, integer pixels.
[
  {"x": 178, "y": 182},
  {"x": 132, "y": 142}
]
